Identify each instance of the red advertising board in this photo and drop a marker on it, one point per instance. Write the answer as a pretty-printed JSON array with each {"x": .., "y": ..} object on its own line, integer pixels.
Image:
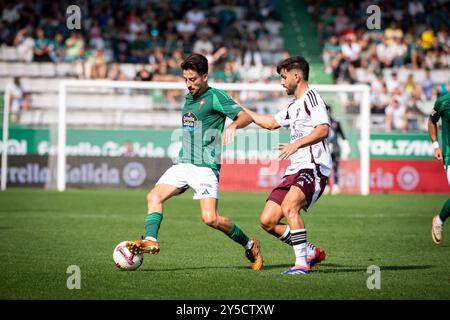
[{"x": 386, "y": 176}]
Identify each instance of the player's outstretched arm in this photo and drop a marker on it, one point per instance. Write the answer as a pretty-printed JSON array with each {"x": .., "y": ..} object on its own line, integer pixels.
[
  {"x": 432, "y": 131},
  {"x": 241, "y": 121},
  {"x": 262, "y": 120},
  {"x": 319, "y": 133}
]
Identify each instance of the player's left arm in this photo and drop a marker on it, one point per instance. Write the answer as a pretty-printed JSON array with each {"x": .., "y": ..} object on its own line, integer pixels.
[
  {"x": 319, "y": 133},
  {"x": 241, "y": 121}
]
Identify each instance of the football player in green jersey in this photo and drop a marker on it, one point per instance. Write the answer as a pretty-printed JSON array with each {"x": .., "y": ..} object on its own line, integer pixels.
[
  {"x": 441, "y": 110},
  {"x": 198, "y": 166}
]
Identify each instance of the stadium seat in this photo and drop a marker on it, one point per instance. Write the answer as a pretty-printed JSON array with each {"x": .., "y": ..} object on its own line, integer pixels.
[
  {"x": 35, "y": 84},
  {"x": 8, "y": 53},
  {"x": 47, "y": 69},
  {"x": 4, "y": 82},
  {"x": 425, "y": 106},
  {"x": 44, "y": 100},
  {"x": 440, "y": 76},
  {"x": 31, "y": 69},
  {"x": 3, "y": 69},
  {"x": 64, "y": 69}
]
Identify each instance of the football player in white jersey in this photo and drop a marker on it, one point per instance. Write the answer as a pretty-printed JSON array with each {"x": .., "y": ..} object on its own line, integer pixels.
[{"x": 306, "y": 177}]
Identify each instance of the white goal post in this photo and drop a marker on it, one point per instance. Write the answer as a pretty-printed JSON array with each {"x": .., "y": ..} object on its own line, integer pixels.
[{"x": 64, "y": 85}]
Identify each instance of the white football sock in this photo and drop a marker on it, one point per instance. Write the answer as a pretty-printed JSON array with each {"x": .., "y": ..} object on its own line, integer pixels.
[
  {"x": 286, "y": 237},
  {"x": 298, "y": 238}
]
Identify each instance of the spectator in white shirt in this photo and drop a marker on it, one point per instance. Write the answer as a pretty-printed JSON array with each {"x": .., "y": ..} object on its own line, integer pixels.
[
  {"x": 392, "y": 83},
  {"x": 24, "y": 44},
  {"x": 351, "y": 52},
  {"x": 10, "y": 13},
  {"x": 400, "y": 53},
  {"x": 415, "y": 8},
  {"x": 396, "y": 118},
  {"x": 203, "y": 44},
  {"x": 18, "y": 100},
  {"x": 185, "y": 28},
  {"x": 386, "y": 53},
  {"x": 196, "y": 15}
]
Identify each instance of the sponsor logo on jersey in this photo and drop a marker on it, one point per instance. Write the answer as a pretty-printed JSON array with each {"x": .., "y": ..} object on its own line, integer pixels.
[{"x": 189, "y": 121}]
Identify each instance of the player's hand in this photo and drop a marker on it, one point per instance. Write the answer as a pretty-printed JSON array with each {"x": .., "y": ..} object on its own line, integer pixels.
[
  {"x": 438, "y": 154},
  {"x": 286, "y": 150},
  {"x": 228, "y": 135}
]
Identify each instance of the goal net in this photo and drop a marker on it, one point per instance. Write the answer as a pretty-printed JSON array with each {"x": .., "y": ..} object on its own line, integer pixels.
[{"x": 125, "y": 134}]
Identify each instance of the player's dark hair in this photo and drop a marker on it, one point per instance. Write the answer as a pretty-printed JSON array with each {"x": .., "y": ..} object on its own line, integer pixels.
[
  {"x": 292, "y": 63},
  {"x": 196, "y": 62}
]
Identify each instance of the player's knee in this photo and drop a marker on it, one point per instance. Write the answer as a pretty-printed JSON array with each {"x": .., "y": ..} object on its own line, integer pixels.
[
  {"x": 267, "y": 223},
  {"x": 153, "y": 198},
  {"x": 211, "y": 221}
]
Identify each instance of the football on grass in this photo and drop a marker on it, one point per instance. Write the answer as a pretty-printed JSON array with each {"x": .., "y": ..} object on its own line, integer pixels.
[{"x": 124, "y": 259}]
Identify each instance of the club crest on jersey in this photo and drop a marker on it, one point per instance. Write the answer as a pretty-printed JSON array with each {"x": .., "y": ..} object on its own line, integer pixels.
[
  {"x": 201, "y": 103},
  {"x": 189, "y": 121}
]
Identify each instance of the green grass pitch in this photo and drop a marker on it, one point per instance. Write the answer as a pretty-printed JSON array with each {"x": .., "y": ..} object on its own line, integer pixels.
[{"x": 43, "y": 232}]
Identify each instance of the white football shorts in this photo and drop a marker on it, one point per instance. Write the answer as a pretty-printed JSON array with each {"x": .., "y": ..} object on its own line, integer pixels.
[{"x": 186, "y": 175}]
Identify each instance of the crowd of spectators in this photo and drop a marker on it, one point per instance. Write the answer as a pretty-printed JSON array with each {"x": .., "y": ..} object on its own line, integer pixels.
[
  {"x": 156, "y": 34},
  {"x": 413, "y": 35}
]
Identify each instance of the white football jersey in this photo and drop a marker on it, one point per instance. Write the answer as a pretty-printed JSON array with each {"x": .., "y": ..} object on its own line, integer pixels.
[{"x": 302, "y": 115}]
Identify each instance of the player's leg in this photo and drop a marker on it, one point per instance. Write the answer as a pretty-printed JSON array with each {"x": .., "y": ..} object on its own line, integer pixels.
[
  {"x": 155, "y": 200},
  {"x": 171, "y": 183},
  {"x": 211, "y": 217},
  {"x": 270, "y": 220},
  {"x": 272, "y": 214},
  {"x": 155, "y": 206},
  {"x": 295, "y": 200},
  {"x": 438, "y": 220}
]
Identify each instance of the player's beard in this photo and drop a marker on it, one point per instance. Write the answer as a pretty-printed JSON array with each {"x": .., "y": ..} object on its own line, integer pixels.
[
  {"x": 196, "y": 91},
  {"x": 290, "y": 90}
]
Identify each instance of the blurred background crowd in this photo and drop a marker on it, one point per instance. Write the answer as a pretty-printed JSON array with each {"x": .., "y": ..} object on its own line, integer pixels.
[
  {"x": 406, "y": 61},
  {"x": 236, "y": 36}
]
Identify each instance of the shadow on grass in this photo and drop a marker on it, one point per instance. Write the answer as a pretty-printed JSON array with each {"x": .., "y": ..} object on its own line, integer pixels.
[
  {"x": 322, "y": 268},
  {"x": 192, "y": 268},
  {"x": 338, "y": 268}
]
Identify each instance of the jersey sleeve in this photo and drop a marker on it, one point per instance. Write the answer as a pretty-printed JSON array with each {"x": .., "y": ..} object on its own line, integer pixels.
[
  {"x": 436, "y": 112},
  {"x": 317, "y": 109},
  {"x": 224, "y": 104},
  {"x": 282, "y": 118}
]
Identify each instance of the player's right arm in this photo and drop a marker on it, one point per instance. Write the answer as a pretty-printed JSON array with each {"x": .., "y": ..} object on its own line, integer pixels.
[
  {"x": 433, "y": 131},
  {"x": 263, "y": 120}
]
